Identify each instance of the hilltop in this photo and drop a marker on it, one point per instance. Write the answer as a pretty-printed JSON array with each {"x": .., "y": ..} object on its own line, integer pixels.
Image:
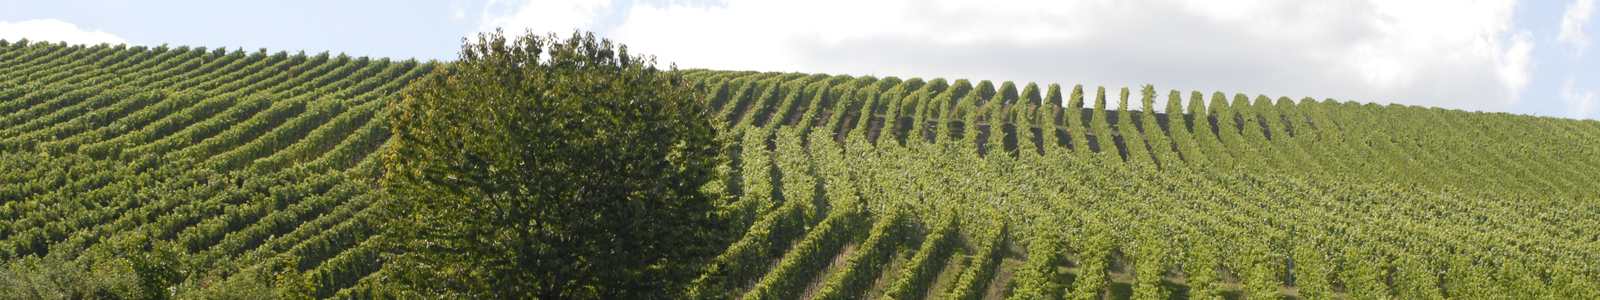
[{"x": 226, "y": 171}]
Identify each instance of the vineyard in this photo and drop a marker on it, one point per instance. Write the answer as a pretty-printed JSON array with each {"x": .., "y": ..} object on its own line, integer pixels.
[
  {"x": 259, "y": 167},
  {"x": 233, "y": 162}
]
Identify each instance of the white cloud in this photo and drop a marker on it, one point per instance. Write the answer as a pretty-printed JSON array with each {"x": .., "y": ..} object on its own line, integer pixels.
[
  {"x": 544, "y": 16},
  {"x": 1572, "y": 22},
  {"x": 1457, "y": 54},
  {"x": 55, "y": 31},
  {"x": 1580, "y": 101}
]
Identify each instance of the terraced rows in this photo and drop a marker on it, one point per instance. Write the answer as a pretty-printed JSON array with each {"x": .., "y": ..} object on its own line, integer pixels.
[
  {"x": 251, "y": 167},
  {"x": 975, "y": 192},
  {"x": 240, "y": 163}
]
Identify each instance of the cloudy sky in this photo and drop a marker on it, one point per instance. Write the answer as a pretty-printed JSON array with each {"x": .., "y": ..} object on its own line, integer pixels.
[{"x": 1525, "y": 57}]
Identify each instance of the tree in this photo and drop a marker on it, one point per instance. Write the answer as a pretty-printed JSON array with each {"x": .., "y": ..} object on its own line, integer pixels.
[{"x": 540, "y": 168}]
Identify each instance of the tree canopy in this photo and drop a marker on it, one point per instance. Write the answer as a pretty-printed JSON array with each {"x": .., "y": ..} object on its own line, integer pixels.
[{"x": 540, "y": 167}]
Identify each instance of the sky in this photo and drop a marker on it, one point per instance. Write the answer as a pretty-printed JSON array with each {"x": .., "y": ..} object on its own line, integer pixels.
[{"x": 1523, "y": 57}]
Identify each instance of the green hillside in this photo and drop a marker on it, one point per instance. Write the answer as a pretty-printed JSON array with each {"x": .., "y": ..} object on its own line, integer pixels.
[
  {"x": 236, "y": 168},
  {"x": 229, "y": 161}
]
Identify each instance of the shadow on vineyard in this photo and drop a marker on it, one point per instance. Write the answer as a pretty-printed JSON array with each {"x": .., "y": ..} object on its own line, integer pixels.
[{"x": 566, "y": 168}]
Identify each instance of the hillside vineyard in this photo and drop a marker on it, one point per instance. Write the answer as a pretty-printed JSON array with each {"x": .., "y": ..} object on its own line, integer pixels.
[
  {"x": 908, "y": 189},
  {"x": 846, "y": 187},
  {"x": 244, "y": 162}
]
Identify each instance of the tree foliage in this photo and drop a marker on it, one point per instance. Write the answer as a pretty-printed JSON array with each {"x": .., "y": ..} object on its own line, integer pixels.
[{"x": 536, "y": 167}]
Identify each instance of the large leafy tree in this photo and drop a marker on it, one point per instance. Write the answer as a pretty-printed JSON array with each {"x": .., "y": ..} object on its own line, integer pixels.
[{"x": 536, "y": 167}]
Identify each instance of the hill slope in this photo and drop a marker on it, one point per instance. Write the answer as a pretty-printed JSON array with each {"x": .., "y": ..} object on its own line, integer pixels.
[
  {"x": 250, "y": 165},
  {"x": 228, "y": 160},
  {"x": 1242, "y": 197}
]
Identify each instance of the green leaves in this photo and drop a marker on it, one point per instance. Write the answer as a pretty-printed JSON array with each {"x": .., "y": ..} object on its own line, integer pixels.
[
  {"x": 541, "y": 167},
  {"x": 137, "y": 172}
]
